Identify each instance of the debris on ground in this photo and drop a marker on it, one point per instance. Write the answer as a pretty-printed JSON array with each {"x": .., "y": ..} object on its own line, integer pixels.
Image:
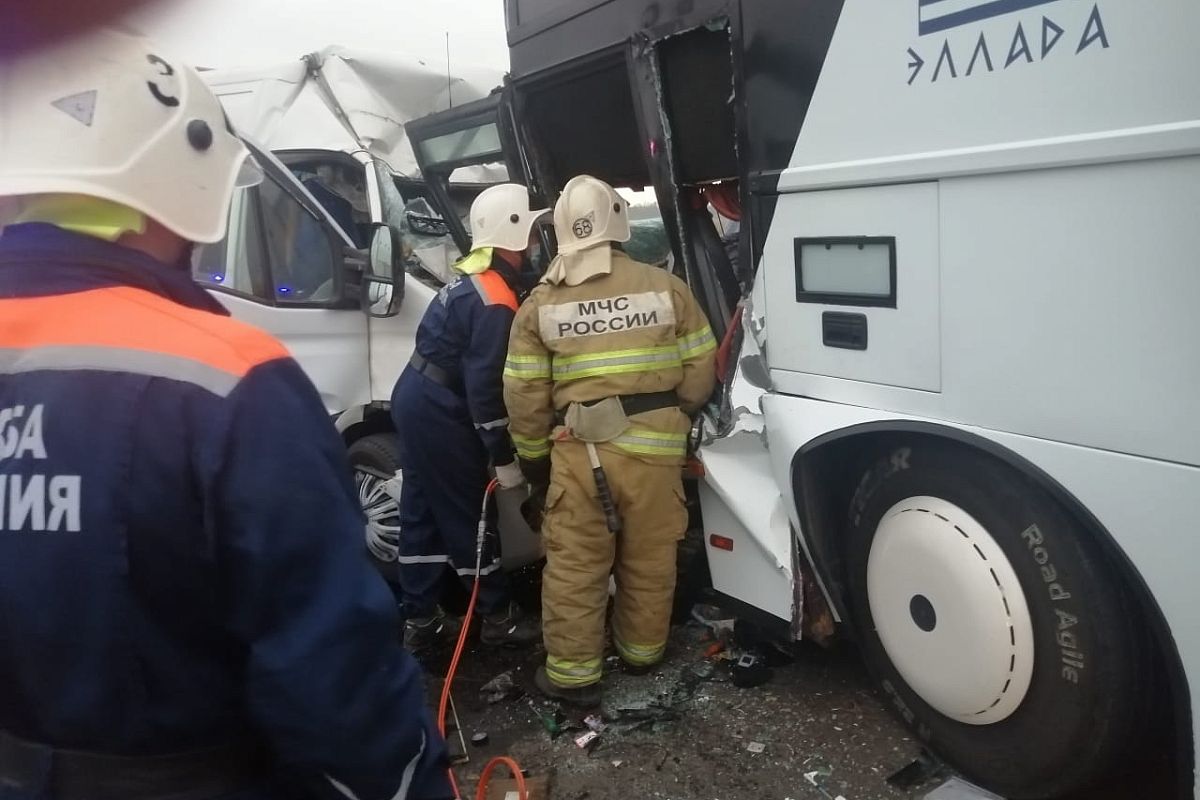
[
  {"x": 683, "y": 729},
  {"x": 818, "y": 773},
  {"x": 551, "y": 720},
  {"x": 585, "y": 741},
  {"x": 499, "y": 688},
  {"x": 750, "y": 671},
  {"x": 536, "y": 788},
  {"x": 479, "y": 739},
  {"x": 715, "y": 619},
  {"x": 756, "y": 747}
]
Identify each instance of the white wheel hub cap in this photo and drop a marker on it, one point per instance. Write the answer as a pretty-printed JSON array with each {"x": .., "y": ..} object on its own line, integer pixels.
[
  {"x": 380, "y": 501},
  {"x": 949, "y": 611}
]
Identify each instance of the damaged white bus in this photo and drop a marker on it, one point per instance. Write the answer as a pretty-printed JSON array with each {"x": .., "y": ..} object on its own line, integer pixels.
[{"x": 952, "y": 248}]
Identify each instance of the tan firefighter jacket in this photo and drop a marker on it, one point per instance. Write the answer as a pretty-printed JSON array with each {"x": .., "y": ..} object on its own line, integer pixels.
[{"x": 633, "y": 331}]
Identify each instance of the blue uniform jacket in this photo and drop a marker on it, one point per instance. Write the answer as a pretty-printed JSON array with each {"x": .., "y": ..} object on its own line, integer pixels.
[
  {"x": 181, "y": 553},
  {"x": 465, "y": 332}
]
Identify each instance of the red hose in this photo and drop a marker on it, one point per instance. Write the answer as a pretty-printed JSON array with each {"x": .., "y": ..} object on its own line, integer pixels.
[{"x": 486, "y": 776}]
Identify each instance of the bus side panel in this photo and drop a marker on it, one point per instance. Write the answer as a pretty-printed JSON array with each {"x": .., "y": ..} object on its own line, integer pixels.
[
  {"x": 1070, "y": 305},
  {"x": 905, "y": 80},
  {"x": 859, "y": 243},
  {"x": 1067, "y": 308}
]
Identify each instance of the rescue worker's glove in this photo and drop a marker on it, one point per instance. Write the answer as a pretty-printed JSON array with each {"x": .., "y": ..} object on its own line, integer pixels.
[
  {"x": 510, "y": 476},
  {"x": 538, "y": 473}
]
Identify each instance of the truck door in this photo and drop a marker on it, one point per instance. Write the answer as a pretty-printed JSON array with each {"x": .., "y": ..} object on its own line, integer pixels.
[
  {"x": 281, "y": 268},
  {"x": 460, "y": 152}
]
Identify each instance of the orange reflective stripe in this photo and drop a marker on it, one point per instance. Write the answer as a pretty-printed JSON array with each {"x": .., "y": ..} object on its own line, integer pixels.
[
  {"x": 494, "y": 289},
  {"x": 124, "y": 318}
]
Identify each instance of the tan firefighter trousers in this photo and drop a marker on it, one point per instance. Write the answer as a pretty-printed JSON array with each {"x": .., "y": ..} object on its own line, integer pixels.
[{"x": 581, "y": 553}]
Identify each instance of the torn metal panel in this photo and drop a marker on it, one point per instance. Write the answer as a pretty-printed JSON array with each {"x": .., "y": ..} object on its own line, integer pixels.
[
  {"x": 741, "y": 500},
  {"x": 369, "y": 98}
]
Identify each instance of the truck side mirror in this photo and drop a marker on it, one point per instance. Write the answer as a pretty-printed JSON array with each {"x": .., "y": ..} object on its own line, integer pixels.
[{"x": 383, "y": 283}]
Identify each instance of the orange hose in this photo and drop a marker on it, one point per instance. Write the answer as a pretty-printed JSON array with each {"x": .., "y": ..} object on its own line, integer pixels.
[{"x": 486, "y": 776}]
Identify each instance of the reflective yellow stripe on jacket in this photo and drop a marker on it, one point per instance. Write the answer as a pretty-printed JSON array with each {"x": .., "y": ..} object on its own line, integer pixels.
[
  {"x": 697, "y": 344},
  {"x": 615, "y": 362},
  {"x": 531, "y": 447},
  {"x": 527, "y": 368}
]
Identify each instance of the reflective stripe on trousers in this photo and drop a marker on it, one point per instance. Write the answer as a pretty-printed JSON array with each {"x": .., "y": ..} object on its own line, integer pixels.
[
  {"x": 652, "y": 443},
  {"x": 573, "y": 674},
  {"x": 640, "y": 655},
  {"x": 581, "y": 554}
]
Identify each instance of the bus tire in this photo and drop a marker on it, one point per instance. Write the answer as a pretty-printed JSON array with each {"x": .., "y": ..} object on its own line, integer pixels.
[
  {"x": 991, "y": 622},
  {"x": 375, "y": 459}
]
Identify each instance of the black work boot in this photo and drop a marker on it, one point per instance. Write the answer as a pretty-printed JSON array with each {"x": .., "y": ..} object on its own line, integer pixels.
[
  {"x": 511, "y": 626},
  {"x": 581, "y": 697},
  {"x": 423, "y": 632}
]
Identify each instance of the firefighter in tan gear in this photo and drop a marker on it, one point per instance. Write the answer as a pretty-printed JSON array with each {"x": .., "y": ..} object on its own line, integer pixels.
[{"x": 607, "y": 358}]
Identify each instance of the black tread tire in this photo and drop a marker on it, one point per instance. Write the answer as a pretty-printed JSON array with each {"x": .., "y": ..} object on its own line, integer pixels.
[
  {"x": 379, "y": 452},
  {"x": 1064, "y": 736}
]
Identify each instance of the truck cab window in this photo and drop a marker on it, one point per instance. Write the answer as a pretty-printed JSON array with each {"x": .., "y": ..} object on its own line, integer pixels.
[
  {"x": 238, "y": 263},
  {"x": 301, "y": 251}
]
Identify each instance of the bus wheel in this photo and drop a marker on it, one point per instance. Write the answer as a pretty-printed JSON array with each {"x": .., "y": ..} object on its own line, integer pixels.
[
  {"x": 375, "y": 460},
  {"x": 993, "y": 625}
]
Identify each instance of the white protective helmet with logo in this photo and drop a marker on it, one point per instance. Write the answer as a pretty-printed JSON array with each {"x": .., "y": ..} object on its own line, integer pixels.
[
  {"x": 501, "y": 217},
  {"x": 589, "y": 213},
  {"x": 107, "y": 115}
]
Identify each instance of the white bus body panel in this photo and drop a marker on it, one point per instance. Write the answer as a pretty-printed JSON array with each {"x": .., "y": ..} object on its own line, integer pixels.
[
  {"x": 902, "y": 98},
  {"x": 740, "y": 500},
  {"x": 1067, "y": 307},
  {"x": 904, "y": 349}
]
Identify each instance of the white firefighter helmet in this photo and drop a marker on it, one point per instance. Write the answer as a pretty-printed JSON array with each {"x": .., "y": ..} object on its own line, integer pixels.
[
  {"x": 107, "y": 115},
  {"x": 501, "y": 217},
  {"x": 589, "y": 213}
]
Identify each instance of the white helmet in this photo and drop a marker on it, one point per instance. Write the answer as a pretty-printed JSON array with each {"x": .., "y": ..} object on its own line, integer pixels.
[
  {"x": 106, "y": 115},
  {"x": 589, "y": 212},
  {"x": 501, "y": 217}
]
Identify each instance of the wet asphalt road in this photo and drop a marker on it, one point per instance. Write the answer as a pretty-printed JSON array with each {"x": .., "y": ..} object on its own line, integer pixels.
[{"x": 821, "y": 731}]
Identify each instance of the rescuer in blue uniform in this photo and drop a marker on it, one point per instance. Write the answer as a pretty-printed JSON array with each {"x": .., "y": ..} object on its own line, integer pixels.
[
  {"x": 448, "y": 407},
  {"x": 186, "y": 611}
]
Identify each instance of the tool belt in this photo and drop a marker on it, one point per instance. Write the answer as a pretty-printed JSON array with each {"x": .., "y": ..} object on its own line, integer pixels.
[
  {"x": 77, "y": 775},
  {"x": 435, "y": 373},
  {"x": 634, "y": 404}
]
